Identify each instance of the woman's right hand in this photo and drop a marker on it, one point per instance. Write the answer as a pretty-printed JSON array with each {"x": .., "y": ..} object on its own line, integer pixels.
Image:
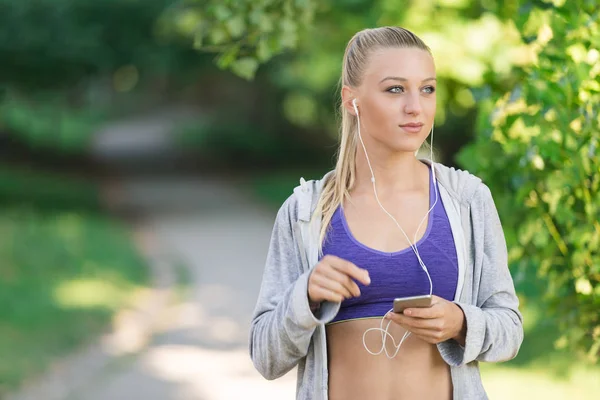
[{"x": 331, "y": 280}]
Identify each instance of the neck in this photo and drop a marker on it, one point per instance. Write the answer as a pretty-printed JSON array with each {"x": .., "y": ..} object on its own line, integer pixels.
[{"x": 394, "y": 172}]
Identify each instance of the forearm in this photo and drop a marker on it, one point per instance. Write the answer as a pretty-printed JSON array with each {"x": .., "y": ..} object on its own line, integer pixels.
[{"x": 280, "y": 335}]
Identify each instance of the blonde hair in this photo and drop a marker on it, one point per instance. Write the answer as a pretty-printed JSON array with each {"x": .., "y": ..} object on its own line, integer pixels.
[{"x": 337, "y": 188}]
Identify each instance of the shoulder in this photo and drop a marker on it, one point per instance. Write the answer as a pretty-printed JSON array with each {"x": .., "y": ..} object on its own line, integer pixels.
[
  {"x": 289, "y": 208},
  {"x": 464, "y": 186},
  {"x": 301, "y": 203},
  {"x": 471, "y": 192}
]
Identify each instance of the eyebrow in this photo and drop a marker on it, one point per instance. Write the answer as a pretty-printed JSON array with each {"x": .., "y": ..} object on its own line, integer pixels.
[{"x": 397, "y": 78}]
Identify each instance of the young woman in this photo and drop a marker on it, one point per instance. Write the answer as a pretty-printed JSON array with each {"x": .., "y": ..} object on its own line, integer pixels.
[{"x": 383, "y": 225}]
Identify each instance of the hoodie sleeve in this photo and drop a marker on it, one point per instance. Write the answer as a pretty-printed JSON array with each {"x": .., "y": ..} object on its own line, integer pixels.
[
  {"x": 494, "y": 323},
  {"x": 283, "y": 323}
]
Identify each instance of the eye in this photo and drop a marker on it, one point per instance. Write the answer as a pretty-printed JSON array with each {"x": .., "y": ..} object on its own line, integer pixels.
[
  {"x": 429, "y": 89},
  {"x": 396, "y": 89}
]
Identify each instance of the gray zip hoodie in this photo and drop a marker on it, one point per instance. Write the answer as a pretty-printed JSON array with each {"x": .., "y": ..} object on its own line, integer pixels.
[{"x": 285, "y": 333}]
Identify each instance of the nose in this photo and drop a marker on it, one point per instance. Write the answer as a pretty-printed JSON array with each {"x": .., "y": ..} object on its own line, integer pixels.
[{"x": 413, "y": 104}]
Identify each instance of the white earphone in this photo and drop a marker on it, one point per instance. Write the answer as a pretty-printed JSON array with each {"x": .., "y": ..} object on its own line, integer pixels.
[
  {"x": 384, "y": 332},
  {"x": 355, "y": 107}
]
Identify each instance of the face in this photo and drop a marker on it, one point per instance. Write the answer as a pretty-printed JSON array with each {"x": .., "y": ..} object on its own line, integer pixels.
[{"x": 396, "y": 99}]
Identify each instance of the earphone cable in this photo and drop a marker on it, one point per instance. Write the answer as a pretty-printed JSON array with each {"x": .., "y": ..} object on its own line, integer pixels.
[{"x": 384, "y": 332}]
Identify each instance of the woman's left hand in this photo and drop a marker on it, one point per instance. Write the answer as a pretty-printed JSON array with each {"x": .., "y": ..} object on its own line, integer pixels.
[{"x": 437, "y": 323}]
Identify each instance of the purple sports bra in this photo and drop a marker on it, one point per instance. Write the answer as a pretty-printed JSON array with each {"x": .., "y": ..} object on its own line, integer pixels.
[{"x": 396, "y": 274}]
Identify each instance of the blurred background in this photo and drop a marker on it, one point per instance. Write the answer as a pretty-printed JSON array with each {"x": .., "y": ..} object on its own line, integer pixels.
[{"x": 145, "y": 147}]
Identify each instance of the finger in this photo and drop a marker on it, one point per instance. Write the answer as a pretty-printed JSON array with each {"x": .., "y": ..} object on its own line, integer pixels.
[
  {"x": 320, "y": 289},
  {"x": 324, "y": 294},
  {"x": 348, "y": 268},
  {"x": 433, "y": 311},
  {"x": 332, "y": 285},
  {"x": 402, "y": 320},
  {"x": 431, "y": 336},
  {"x": 344, "y": 279},
  {"x": 428, "y": 336},
  {"x": 431, "y": 332},
  {"x": 416, "y": 323}
]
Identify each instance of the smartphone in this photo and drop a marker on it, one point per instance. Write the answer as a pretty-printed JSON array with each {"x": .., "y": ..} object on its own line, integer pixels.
[{"x": 402, "y": 303}]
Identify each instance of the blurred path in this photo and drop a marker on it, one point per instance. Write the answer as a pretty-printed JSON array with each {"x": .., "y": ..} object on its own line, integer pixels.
[
  {"x": 218, "y": 239},
  {"x": 206, "y": 244},
  {"x": 141, "y": 138}
]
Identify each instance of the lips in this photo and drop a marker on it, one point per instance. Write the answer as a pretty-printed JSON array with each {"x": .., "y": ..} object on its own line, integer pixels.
[{"x": 412, "y": 127}]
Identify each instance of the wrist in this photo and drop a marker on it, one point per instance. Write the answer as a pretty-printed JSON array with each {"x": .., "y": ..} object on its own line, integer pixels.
[{"x": 314, "y": 307}]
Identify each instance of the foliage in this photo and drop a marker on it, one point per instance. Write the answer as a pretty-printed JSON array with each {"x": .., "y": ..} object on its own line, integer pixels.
[
  {"x": 47, "y": 191},
  {"x": 244, "y": 33},
  {"x": 537, "y": 148},
  {"x": 50, "y": 123},
  {"x": 67, "y": 65},
  {"x": 52, "y": 44},
  {"x": 306, "y": 78},
  {"x": 311, "y": 77}
]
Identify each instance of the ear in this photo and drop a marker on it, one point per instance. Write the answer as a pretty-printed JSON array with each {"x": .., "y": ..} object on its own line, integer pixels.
[{"x": 348, "y": 94}]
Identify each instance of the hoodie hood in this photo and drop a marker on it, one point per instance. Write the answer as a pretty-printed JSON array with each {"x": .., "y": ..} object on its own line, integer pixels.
[{"x": 308, "y": 194}]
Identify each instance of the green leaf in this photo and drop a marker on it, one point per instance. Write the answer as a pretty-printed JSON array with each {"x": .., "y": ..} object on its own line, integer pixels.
[
  {"x": 218, "y": 36},
  {"x": 245, "y": 67},
  {"x": 263, "y": 52},
  {"x": 236, "y": 26},
  {"x": 228, "y": 57},
  {"x": 222, "y": 12}
]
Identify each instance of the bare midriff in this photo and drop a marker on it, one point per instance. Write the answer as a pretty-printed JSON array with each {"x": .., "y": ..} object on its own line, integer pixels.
[{"x": 417, "y": 372}]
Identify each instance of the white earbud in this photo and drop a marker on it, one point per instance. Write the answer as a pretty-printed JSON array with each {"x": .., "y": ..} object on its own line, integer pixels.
[
  {"x": 357, "y": 116},
  {"x": 355, "y": 107}
]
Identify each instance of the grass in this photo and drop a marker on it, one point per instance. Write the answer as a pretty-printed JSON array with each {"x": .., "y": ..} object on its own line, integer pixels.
[
  {"x": 46, "y": 190},
  {"x": 504, "y": 382},
  {"x": 64, "y": 271},
  {"x": 49, "y": 122},
  {"x": 539, "y": 370}
]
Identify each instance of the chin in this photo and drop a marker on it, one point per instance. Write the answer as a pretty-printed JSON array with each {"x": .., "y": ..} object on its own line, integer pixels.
[
  {"x": 407, "y": 150},
  {"x": 405, "y": 146},
  {"x": 399, "y": 143}
]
